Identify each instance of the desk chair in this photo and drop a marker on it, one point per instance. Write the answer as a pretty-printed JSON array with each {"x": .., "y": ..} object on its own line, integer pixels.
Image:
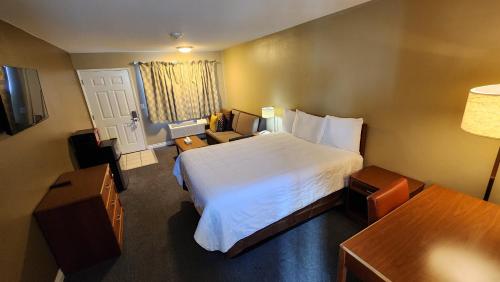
[{"x": 387, "y": 199}]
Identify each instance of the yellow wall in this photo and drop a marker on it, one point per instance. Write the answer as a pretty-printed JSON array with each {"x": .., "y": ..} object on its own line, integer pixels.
[
  {"x": 405, "y": 66},
  {"x": 32, "y": 159},
  {"x": 155, "y": 133}
]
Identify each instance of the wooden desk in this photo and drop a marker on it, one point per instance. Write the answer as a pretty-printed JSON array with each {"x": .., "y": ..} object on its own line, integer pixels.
[
  {"x": 439, "y": 235},
  {"x": 196, "y": 143}
]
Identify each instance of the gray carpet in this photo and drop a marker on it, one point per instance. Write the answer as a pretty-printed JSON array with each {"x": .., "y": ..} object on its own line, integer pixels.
[{"x": 160, "y": 222}]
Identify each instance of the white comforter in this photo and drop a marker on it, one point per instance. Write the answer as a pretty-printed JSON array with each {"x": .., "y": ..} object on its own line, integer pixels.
[{"x": 241, "y": 187}]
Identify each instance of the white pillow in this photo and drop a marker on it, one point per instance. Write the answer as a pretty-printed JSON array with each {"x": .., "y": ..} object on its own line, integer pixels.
[
  {"x": 308, "y": 127},
  {"x": 343, "y": 133},
  {"x": 288, "y": 120}
]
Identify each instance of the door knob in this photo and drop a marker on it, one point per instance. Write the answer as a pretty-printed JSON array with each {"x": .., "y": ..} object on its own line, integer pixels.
[{"x": 134, "y": 115}]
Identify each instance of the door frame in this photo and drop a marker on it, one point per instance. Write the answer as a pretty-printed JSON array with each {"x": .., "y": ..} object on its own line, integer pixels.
[{"x": 134, "y": 93}]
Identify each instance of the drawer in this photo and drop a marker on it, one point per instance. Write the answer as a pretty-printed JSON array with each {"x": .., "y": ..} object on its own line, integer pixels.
[
  {"x": 108, "y": 178},
  {"x": 118, "y": 223},
  {"x": 117, "y": 210},
  {"x": 362, "y": 188},
  {"x": 108, "y": 187},
  {"x": 111, "y": 207}
]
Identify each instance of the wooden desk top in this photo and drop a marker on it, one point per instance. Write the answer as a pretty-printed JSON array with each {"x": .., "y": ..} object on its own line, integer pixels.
[
  {"x": 196, "y": 143},
  {"x": 439, "y": 235},
  {"x": 378, "y": 178}
]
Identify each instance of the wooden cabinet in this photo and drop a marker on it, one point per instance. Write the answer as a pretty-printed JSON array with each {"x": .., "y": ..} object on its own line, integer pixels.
[
  {"x": 81, "y": 218},
  {"x": 367, "y": 181}
]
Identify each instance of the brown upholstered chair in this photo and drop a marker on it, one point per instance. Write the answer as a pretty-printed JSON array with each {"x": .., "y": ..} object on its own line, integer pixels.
[{"x": 387, "y": 199}]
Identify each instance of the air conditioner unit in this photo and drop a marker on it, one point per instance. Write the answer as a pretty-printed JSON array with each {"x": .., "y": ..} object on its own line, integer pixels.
[{"x": 187, "y": 128}]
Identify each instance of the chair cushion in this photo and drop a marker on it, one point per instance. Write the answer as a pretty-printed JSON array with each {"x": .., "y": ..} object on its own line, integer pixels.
[
  {"x": 228, "y": 120},
  {"x": 247, "y": 124},
  {"x": 220, "y": 122},
  {"x": 213, "y": 122},
  {"x": 223, "y": 136},
  {"x": 236, "y": 115}
]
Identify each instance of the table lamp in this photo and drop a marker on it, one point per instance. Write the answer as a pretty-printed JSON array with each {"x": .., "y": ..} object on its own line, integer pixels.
[
  {"x": 482, "y": 117},
  {"x": 268, "y": 112}
]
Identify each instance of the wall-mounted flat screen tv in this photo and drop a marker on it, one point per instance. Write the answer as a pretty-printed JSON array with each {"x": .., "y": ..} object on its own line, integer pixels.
[{"x": 21, "y": 99}]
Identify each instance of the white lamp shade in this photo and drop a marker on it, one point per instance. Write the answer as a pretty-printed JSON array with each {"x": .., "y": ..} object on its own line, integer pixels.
[
  {"x": 268, "y": 112},
  {"x": 482, "y": 111}
]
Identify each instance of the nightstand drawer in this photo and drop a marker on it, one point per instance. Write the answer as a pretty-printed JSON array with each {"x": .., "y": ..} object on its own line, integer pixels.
[{"x": 362, "y": 188}]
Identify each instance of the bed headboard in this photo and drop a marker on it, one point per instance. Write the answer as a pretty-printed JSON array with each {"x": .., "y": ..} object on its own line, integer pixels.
[{"x": 362, "y": 141}]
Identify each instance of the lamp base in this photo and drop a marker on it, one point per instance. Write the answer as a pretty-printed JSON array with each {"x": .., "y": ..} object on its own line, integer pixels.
[{"x": 492, "y": 177}]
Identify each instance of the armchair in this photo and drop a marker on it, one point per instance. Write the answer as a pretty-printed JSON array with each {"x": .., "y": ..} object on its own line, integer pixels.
[{"x": 387, "y": 199}]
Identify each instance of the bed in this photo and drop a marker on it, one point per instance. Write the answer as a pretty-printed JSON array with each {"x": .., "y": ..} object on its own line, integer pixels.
[{"x": 249, "y": 190}]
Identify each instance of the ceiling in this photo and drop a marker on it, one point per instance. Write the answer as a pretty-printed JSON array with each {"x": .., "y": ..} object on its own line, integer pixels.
[{"x": 81, "y": 26}]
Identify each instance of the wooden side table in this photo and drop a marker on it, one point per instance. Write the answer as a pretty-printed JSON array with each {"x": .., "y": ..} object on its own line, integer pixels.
[
  {"x": 367, "y": 181},
  {"x": 196, "y": 143}
]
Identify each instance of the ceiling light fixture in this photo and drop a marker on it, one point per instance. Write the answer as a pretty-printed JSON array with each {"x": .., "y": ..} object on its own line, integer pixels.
[{"x": 184, "y": 49}]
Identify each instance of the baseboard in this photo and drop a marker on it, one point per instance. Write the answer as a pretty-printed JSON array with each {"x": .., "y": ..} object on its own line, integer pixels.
[
  {"x": 59, "y": 276},
  {"x": 159, "y": 145}
]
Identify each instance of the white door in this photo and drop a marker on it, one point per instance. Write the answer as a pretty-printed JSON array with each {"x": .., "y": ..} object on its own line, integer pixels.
[{"x": 113, "y": 108}]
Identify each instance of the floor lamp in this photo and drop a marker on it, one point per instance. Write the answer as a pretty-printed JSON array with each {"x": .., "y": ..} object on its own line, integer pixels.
[{"x": 482, "y": 117}]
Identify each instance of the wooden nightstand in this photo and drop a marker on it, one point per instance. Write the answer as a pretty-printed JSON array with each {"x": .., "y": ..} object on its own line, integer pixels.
[{"x": 367, "y": 181}]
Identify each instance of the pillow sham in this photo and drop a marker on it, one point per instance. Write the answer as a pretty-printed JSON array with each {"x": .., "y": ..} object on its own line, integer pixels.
[
  {"x": 220, "y": 124},
  {"x": 308, "y": 127},
  {"x": 213, "y": 123},
  {"x": 343, "y": 133},
  {"x": 228, "y": 120},
  {"x": 288, "y": 120},
  {"x": 236, "y": 115}
]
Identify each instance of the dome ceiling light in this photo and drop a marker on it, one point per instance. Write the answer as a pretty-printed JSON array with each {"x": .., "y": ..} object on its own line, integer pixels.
[
  {"x": 184, "y": 49},
  {"x": 177, "y": 36}
]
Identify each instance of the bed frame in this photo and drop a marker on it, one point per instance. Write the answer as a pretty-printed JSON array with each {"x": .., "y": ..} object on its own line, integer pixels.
[{"x": 297, "y": 217}]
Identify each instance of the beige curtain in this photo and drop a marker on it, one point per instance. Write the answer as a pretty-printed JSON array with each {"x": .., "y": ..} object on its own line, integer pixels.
[{"x": 180, "y": 91}]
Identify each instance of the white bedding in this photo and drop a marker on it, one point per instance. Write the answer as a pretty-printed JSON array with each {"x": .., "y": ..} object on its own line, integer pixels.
[{"x": 241, "y": 187}]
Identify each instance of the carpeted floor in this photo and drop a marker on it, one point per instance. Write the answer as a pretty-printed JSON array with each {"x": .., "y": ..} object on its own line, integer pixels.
[{"x": 160, "y": 222}]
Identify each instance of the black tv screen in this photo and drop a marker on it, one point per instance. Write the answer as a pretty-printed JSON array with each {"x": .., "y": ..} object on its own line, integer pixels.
[{"x": 21, "y": 99}]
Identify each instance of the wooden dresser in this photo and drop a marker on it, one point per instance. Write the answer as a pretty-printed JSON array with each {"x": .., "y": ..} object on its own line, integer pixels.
[{"x": 81, "y": 218}]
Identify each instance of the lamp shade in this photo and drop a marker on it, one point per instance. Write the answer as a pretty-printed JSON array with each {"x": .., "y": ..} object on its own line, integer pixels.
[
  {"x": 268, "y": 112},
  {"x": 482, "y": 111}
]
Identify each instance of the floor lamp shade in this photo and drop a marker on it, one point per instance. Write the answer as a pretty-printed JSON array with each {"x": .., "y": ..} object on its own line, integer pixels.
[
  {"x": 482, "y": 111},
  {"x": 482, "y": 117}
]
